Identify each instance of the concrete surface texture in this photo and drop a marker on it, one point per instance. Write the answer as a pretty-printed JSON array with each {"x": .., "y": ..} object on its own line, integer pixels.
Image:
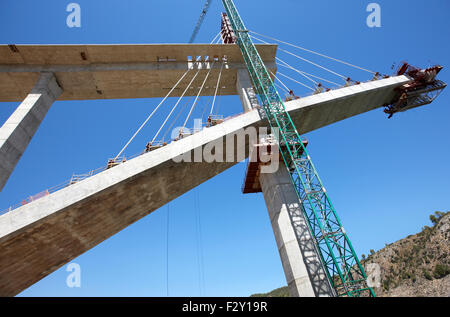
[
  {"x": 17, "y": 131},
  {"x": 71, "y": 221},
  {"x": 245, "y": 90},
  {"x": 120, "y": 71},
  {"x": 302, "y": 267}
]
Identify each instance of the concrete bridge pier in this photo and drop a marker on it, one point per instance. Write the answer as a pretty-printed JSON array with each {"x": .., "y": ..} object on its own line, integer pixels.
[
  {"x": 303, "y": 269},
  {"x": 18, "y": 130},
  {"x": 301, "y": 262},
  {"x": 245, "y": 90}
]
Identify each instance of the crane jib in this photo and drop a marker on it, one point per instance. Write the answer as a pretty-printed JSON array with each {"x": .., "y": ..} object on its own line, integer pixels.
[{"x": 344, "y": 271}]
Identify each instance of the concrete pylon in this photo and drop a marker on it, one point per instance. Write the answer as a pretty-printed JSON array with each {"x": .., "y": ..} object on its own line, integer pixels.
[
  {"x": 301, "y": 262},
  {"x": 245, "y": 90},
  {"x": 302, "y": 266},
  {"x": 18, "y": 130}
]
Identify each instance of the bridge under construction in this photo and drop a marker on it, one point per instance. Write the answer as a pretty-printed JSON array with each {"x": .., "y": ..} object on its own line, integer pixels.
[{"x": 316, "y": 253}]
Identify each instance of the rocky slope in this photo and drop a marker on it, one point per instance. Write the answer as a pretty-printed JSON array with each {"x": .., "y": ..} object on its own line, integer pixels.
[{"x": 418, "y": 265}]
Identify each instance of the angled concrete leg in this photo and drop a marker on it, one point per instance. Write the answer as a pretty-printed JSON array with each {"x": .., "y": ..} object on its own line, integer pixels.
[
  {"x": 245, "y": 90},
  {"x": 16, "y": 133},
  {"x": 301, "y": 263}
]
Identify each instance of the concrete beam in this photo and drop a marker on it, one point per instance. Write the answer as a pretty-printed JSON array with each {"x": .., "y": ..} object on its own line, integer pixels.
[
  {"x": 73, "y": 220},
  {"x": 303, "y": 269},
  {"x": 87, "y": 72},
  {"x": 17, "y": 132},
  {"x": 152, "y": 66}
]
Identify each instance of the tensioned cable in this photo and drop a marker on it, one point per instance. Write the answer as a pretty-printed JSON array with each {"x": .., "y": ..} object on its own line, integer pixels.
[
  {"x": 316, "y": 53},
  {"x": 304, "y": 59},
  {"x": 301, "y": 73},
  {"x": 148, "y": 118},
  {"x": 205, "y": 107},
  {"x": 217, "y": 87},
  {"x": 215, "y": 37},
  {"x": 198, "y": 95},
  {"x": 174, "y": 107},
  {"x": 285, "y": 87},
  {"x": 167, "y": 249},
  {"x": 300, "y": 83},
  {"x": 176, "y": 118},
  {"x": 315, "y": 64},
  {"x": 219, "y": 101},
  {"x": 281, "y": 87},
  {"x": 286, "y": 65}
]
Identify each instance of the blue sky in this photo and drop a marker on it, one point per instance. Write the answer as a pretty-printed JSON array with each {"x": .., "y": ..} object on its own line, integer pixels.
[{"x": 384, "y": 176}]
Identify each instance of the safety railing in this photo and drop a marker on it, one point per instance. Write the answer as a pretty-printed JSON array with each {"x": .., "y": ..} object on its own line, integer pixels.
[{"x": 76, "y": 178}]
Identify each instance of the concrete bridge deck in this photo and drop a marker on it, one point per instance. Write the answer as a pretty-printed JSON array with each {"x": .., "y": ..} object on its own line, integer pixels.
[
  {"x": 38, "y": 238},
  {"x": 120, "y": 71}
]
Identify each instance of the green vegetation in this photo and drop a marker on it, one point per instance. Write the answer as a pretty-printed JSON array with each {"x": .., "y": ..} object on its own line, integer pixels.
[
  {"x": 437, "y": 216},
  {"x": 427, "y": 275},
  {"x": 279, "y": 292},
  {"x": 409, "y": 262},
  {"x": 440, "y": 271}
]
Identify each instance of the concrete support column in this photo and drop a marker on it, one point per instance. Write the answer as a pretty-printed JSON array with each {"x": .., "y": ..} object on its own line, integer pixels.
[
  {"x": 245, "y": 90},
  {"x": 301, "y": 262},
  {"x": 16, "y": 133}
]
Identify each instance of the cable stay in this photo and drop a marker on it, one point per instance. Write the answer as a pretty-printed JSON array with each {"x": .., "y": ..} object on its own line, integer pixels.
[
  {"x": 151, "y": 115},
  {"x": 217, "y": 87},
  {"x": 195, "y": 101},
  {"x": 167, "y": 248},
  {"x": 285, "y": 87},
  {"x": 289, "y": 92},
  {"x": 301, "y": 72},
  {"x": 215, "y": 38},
  {"x": 298, "y": 71},
  {"x": 276, "y": 77},
  {"x": 281, "y": 87},
  {"x": 316, "y": 53},
  {"x": 218, "y": 103},
  {"x": 205, "y": 107},
  {"x": 211, "y": 119},
  {"x": 305, "y": 60},
  {"x": 176, "y": 118},
  {"x": 300, "y": 83},
  {"x": 174, "y": 107}
]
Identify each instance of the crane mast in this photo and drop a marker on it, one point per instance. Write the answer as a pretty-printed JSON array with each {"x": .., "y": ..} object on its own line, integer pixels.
[
  {"x": 344, "y": 271},
  {"x": 200, "y": 20}
]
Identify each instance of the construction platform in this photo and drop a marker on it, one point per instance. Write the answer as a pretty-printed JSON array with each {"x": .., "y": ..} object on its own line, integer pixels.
[{"x": 257, "y": 158}]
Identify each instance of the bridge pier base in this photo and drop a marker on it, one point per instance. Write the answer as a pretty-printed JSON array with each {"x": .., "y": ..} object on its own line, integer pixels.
[
  {"x": 18, "y": 130},
  {"x": 301, "y": 262}
]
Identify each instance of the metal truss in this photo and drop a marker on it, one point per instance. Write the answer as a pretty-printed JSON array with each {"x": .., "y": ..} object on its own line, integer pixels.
[{"x": 345, "y": 272}]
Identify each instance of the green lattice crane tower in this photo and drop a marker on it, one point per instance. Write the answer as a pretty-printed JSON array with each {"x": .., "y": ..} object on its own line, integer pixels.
[{"x": 344, "y": 271}]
